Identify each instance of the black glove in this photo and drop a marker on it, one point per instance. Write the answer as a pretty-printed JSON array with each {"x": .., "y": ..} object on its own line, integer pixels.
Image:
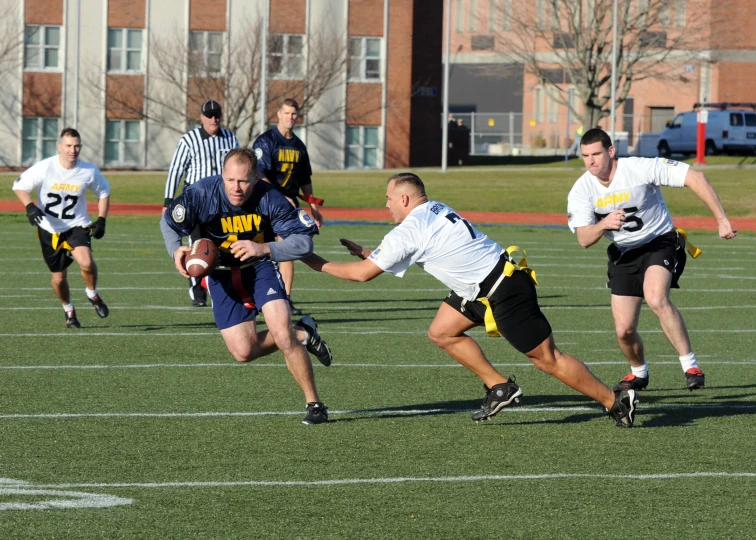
[
  {"x": 34, "y": 214},
  {"x": 99, "y": 228}
]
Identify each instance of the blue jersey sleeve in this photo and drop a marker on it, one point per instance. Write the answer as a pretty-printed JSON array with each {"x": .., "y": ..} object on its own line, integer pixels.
[
  {"x": 264, "y": 152},
  {"x": 285, "y": 219},
  {"x": 182, "y": 215}
]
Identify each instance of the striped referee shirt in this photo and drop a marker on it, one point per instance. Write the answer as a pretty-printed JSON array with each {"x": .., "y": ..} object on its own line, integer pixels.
[{"x": 198, "y": 156}]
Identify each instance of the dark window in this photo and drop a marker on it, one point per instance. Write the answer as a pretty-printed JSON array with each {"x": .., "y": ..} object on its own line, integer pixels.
[
  {"x": 654, "y": 40},
  {"x": 563, "y": 40},
  {"x": 482, "y": 43},
  {"x": 750, "y": 119},
  {"x": 736, "y": 119},
  {"x": 554, "y": 76}
]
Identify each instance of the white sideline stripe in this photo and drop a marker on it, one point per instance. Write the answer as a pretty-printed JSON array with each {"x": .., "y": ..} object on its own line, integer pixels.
[
  {"x": 356, "y": 365},
  {"x": 395, "y": 480},
  {"x": 380, "y": 412}
]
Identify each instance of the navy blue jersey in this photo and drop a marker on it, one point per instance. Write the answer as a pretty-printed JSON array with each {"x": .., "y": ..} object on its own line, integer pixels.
[
  {"x": 284, "y": 162},
  {"x": 265, "y": 215}
]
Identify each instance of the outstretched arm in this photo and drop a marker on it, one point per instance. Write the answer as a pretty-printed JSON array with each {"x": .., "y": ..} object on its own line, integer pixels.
[
  {"x": 703, "y": 189},
  {"x": 361, "y": 271}
]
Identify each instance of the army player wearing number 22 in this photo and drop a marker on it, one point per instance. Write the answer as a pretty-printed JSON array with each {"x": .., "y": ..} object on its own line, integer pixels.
[
  {"x": 63, "y": 224},
  {"x": 243, "y": 216},
  {"x": 621, "y": 199},
  {"x": 283, "y": 161}
]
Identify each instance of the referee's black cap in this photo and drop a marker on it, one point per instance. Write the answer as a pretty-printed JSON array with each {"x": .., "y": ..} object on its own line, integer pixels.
[{"x": 211, "y": 108}]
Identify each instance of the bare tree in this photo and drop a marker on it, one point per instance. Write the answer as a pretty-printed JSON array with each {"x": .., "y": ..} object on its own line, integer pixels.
[
  {"x": 183, "y": 75},
  {"x": 570, "y": 41}
]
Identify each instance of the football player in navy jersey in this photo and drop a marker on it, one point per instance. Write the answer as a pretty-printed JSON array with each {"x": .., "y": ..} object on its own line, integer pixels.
[
  {"x": 243, "y": 216},
  {"x": 283, "y": 162}
]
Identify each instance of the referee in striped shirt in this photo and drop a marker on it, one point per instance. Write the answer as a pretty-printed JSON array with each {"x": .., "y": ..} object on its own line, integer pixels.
[{"x": 200, "y": 154}]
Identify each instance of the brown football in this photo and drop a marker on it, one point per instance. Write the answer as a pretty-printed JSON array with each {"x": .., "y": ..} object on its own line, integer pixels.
[{"x": 202, "y": 259}]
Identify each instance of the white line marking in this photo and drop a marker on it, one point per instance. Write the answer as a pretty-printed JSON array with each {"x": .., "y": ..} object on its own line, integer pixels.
[
  {"x": 402, "y": 480},
  {"x": 379, "y": 412}
]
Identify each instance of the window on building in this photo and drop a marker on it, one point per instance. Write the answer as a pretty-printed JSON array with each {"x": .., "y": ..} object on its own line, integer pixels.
[
  {"x": 552, "y": 108},
  {"x": 41, "y": 47},
  {"x": 664, "y": 15},
  {"x": 472, "y": 16},
  {"x": 39, "y": 138},
  {"x": 364, "y": 59},
  {"x": 206, "y": 52},
  {"x": 286, "y": 56},
  {"x": 459, "y": 16},
  {"x": 540, "y": 14},
  {"x": 124, "y": 49},
  {"x": 362, "y": 147},
  {"x": 538, "y": 105},
  {"x": 122, "y": 142},
  {"x": 680, "y": 13},
  {"x": 506, "y": 14}
]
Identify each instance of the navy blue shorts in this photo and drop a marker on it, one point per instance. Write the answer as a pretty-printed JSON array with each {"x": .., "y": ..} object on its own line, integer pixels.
[{"x": 240, "y": 293}]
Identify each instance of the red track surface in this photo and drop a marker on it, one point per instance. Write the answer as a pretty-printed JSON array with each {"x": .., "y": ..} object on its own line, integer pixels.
[{"x": 382, "y": 215}]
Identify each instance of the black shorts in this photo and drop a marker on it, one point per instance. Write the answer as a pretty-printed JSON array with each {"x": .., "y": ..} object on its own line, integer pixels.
[
  {"x": 515, "y": 309},
  {"x": 57, "y": 247},
  {"x": 627, "y": 270}
]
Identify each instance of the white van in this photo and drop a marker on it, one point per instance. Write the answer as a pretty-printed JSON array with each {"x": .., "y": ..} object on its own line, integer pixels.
[{"x": 727, "y": 130}]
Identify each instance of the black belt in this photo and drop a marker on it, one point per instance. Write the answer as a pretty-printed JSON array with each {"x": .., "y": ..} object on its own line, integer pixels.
[{"x": 492, "y": 279}]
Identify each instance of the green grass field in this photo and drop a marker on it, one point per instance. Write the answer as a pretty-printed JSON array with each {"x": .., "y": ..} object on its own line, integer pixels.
[{"x": 141, "y": 425}]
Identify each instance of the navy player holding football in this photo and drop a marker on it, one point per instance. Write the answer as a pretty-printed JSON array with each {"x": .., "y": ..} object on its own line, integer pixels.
[
  {"x": 621, "y": 199},
  {"x": 243, "y": 216},
  {"x": 488, "y": 288},
  {"x": 63, "y": 224},
  {"x": 283, "y": 161}
]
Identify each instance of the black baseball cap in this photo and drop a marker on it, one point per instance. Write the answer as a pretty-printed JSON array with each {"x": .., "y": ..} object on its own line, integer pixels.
[{"x": 211, "y": 108}]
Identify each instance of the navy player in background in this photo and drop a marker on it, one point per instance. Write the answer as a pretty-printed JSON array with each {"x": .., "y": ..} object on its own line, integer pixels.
[
  {"x": 283, "y": 161},
  {"x": 243, "y": 216}
]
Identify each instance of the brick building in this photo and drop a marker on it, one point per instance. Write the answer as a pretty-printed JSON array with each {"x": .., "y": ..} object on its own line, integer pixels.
[
  {"x": 130, "y": 76},
  {"x": 719, "y": 65}
]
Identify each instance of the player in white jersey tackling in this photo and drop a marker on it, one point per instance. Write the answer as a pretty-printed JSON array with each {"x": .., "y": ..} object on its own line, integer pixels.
[
  {"x": 63, "y": 225},
  {"x": 621, "y": 200},
  {"x": 488, "y": 288}
]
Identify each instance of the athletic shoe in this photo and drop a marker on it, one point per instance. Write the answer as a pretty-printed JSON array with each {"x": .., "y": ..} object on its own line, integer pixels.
[
  {"x": 71, "y": 320},
  {"x": 198, "y": 296},
  {"x": 631, "y": 382},
  {"x": 314, "y": 343},
  {"x": 295, "y": 311},
  {"x": 497, "y": 398},
  {"x": 694, "y": 379},
  {"x": 623, "y": 410},
  {"x": 317, "y": 413},
  {"x": 100, "y": 307}
]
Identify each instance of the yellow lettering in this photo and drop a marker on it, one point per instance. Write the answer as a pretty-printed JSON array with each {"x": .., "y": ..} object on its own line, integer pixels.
[
  {"x": 258, "y": 220},
  {"x": 599, "y": 203},
  {"x": 238, "y": 227},
  {"x": 247, "y": 222},
  {"x": 227, "y": 225}
]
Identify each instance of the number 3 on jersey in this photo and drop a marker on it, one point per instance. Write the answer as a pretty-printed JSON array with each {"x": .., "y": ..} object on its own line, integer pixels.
[
  {"x": 632, "y": 222},
  {"x": 454, "y": 218}
]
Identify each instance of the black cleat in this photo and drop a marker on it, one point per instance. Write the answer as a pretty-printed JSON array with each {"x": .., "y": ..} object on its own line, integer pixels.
[
  {"x": 71, "y": 320},
  {"x": 295, "y": 311},
  {"x": 631, "y": 382},
  {"x": 623, "y": 410},
  {"x": 100, "y": 307},
  {"x": 198, "y": 294},
  {"x": 314, "y": 343},
  {"x": 497, "y": 398},
  {"x": 694, "y": 379},
  {"x": 317, "y": 413}
]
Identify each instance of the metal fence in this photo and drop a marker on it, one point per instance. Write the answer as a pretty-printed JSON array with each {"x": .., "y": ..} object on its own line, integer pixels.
[{"x": 516, "y": 133}]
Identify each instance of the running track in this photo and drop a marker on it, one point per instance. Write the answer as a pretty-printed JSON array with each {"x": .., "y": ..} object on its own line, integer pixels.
[{"x": 382, "y": 215}]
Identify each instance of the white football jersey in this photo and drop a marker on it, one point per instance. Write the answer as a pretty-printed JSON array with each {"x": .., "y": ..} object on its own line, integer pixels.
[
  {"x": 635, "y": 188},
  {"x": 61, "y": 193},
  {"x": 443, "y": 244}
]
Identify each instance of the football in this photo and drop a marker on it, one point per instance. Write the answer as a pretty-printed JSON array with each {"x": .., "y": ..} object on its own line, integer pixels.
[{"x": 202, "y": 258}]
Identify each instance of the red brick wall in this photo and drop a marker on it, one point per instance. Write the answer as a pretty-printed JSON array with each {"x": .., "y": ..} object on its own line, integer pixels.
[
  {"x": 399, "y": 81},
  {"x": 42, "y": 94},
  {"x": 126, "y": 13},
  {"x": 125, "y": 97},
  {"x": 288, "y": 16},
  {"x": 363, "y": 104},
  {"x": 43, "y": 12},
  {"x": 365, "y": 18},
  {"x": 207, "y": 15},
  {"x": 278, "y": 90},
  {"x": 736, "y": 82}
]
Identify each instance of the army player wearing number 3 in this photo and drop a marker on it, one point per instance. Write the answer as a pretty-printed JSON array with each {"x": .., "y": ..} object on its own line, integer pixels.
[
  {"x": 242, "y": 216},
  {"x": 63, "y": 225},
  {"x": 488, "y": 288},
  {"x": 621, "y": 199}
]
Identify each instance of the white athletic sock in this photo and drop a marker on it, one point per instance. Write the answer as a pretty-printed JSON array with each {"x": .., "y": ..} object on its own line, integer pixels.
[
  {"x": 90, "y": 294},
  {"x": 68, "y": 307},
  {"x": 641, "y": 371},
  {"x": 688, "y": 361}
]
